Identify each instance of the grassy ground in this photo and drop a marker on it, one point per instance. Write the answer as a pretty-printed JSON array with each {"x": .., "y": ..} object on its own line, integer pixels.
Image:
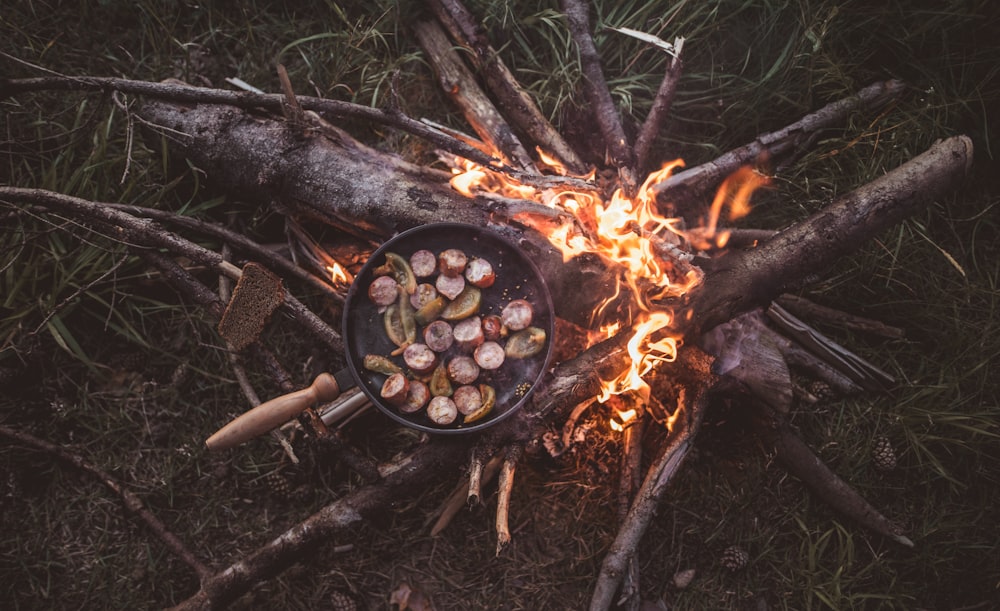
[{"x": 98, "y": 356}]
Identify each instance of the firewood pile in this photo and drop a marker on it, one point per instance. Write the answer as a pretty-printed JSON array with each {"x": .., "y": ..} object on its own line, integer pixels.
[{"x": 714, "y": 318}]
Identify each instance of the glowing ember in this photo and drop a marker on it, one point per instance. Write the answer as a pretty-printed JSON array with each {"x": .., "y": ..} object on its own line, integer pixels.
[
  {"x": 632, "y": 237},
  {"x": 339, "y": 276}
]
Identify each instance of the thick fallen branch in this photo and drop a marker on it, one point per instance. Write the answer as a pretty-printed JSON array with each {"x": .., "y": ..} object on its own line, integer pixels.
[
  {"x": 657, "y": 478},
  {"x": 186, "y": 94},
  {"x": 460, "y": 85},
  {"x": 692, "y": 184},
  {"x": 599, "y": 95},
  {"x": 745, "y": 279},
  {"x": 511, "y": 99}
]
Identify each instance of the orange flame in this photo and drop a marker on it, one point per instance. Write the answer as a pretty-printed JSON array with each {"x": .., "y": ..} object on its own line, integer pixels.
[
  {"x": 631, "y": 235},
  {"x": 339, "y": 276}
]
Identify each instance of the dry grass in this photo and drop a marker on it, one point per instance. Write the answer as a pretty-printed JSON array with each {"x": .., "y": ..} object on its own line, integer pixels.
[{"x": 108, "y": 362}]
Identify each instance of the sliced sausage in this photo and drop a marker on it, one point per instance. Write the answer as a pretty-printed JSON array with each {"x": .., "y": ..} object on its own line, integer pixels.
[
  {"x": 469, "y": 334},
  {"x": 489, "y": 356},
  {"x": 420, "y": 358},
  {"x": 452, "y": 262},
  {"x": 423, "y": 263},
  {"x": 479, "y": 272},
  {"x": 438, "y": 336},
  {"x": 463, "y": 370},
  {"x": 492, "y": 327},
  {"x": 424, "y": 294},
  {"x": 416, "y": 398},
  {"x": 450, "y": 286},
  {"x": 517, "y": 315},
  {"x": 383, "y": 291},
  {"x": 442, "y": 410},
  {"x": 467, "y": 399},
  {"x": 395, "y": 389}
]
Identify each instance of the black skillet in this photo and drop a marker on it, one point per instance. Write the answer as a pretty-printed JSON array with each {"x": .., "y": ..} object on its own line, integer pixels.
[
  {"x": 364, "y": 333},
  {"x": 516, "y": 278}
]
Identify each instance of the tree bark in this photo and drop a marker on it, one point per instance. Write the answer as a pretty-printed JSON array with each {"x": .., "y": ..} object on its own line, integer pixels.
[{"x": 335, "y": 179}]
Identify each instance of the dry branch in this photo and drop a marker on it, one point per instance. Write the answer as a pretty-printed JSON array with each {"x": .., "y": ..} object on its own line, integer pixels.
[
  {"x": 746, "y": 279},
  {"x": 186, "y": 94},
  {"x": 657, "y": 112},
  {"x": 692, "y": 184},
  {"x": 596, "y": 89},
  {"x": 511, "y": 99},
  {"x": 460, "y": 85},
  {"x": 144, "y": 233},
  {"x": 655, "y": 483},
  {"x": 804, "y": 308},
  {"x": 409, "y": 475},
  {"x": 131, "y": 502}
]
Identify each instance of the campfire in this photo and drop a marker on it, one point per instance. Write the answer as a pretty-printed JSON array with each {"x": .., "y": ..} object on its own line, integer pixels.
[{"x": 640, "y": 289}]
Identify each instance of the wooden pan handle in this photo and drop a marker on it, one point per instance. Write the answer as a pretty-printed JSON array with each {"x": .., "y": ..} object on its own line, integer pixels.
[{"x": 274, "y": 413}]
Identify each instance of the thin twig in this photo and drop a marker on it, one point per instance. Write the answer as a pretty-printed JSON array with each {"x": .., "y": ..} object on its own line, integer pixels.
[
  {"x": 641, "y": 513},
  {"x": 503, "y": 495},
  {"x": 597, "y": 92},
  {"x": 659, "y": 110},
  {"x": 132, "y": 502},
  {"x": 141, "y": 232},
  {"x": 237, "y": 240},
  {"x": 804, "y": 308}
]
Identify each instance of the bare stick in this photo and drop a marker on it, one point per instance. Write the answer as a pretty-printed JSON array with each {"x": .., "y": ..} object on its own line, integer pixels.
[
  {"x": 745, "y": 279},
  {"x": 596, "y": 90},
  {"x": 461, "y": 87},
  {"x": 804, "y": 308},
  {"x": 629, "y": 480},
  {"x": 801, "y": 462},
  {"x": 512, "y": 100},
  {"x": 503, "y": 494},
  {"x": 132, "y": 502},
  {"x": 134, "y": 231},
  {"x": 238, "y": 241},
  {"x": 637, "y": 521},
  {"x": 462, "y": 495},
  {"x": 178, "y": 92},
  {"x": 410, "y": 474},
  {"x": 694, "y": 182},
  {"x": 657, "y": 112}
]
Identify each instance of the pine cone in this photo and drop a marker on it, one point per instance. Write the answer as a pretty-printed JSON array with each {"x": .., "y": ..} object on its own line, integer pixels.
[
  {"x": 342, "y": 602},
  {"x": 735, "y": 558},
  {"x": 883, "y": 455},
  {"x": 278, "y": 485},
  {"x": 820, "y": 389}
]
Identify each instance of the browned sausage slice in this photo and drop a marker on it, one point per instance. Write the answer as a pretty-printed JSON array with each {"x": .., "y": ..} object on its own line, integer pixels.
[
  {"x": 442, "y": 410},
  {"x": 452, "y": 262},
  {"x": 463, "y": 370},
  {"x": 467, "y": 399},
  {"x": 423, "y": 263},
  {"x": 438, "y": 336},
  {"x": 517, "y": 315},
  {"x": 489, "y": 356},
  {"x": 492, "y": 327},
  {"x": 383, "y": 291},
  {"x": 395, "y": 389},
  {"x": 424, "y": 294},
  {"x": 416, "y": 398},
  {"x": 469, "y": 334},
  {"x": 420, "y": 358},
  {"x": 479, "y": 272},
  {"x": 450, "y": 286}
]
